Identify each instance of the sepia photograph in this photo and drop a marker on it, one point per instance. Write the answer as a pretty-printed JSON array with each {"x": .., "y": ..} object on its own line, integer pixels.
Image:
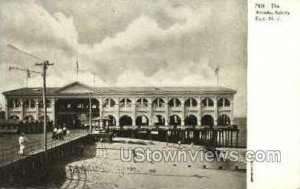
[{"x": 124, "y": 94}]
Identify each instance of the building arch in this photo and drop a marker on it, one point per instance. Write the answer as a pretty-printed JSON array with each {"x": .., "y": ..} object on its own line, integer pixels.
[
  {"x": 125, "y": 102},
  {"x": 159, "y": 119},
  {"x": 158, "y": 103},
  {"x": 29, "y": 118},
  {"x": 207, "y": 102},
  {"x": 110, "y": 120},
  {"x": 175, "y": 120},
  {"x": 41, "y": 118},
  {"x": 109, "y": 102},
  {"x": 174, "y": 102},
  {"x": 223, "y": 102},
  {"x": 125, "y": 120},
  {"x": 190, "y": 102},
  {"x": 14, "y": 117},
  {"x": 142, "y": 102},
  {"x": 29, "y": 103},
  {"x": 223, "y": 120},
  {"x": 142, "y": 120},
  {"x": 191, "y": 120},
  {"x": 48, "y": 103},
  {"x": 95, "y": 103},
  {"x": 207, "y": 120},
  {"x": 14, "y": 103}
]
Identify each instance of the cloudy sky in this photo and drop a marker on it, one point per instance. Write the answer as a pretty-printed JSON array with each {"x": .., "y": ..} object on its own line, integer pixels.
[{"x": 127, "y": 42}]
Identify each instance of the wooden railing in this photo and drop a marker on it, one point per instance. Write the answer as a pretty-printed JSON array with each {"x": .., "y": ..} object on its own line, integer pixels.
[{"x": 11, "y": 154}]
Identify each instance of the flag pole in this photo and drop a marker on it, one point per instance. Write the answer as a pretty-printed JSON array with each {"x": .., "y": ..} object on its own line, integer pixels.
[
  {"x": 217, "y": 74},
  {"x": 77, "y": 69}
]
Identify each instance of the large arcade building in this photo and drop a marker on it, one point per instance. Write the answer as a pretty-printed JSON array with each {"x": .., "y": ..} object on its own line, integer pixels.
[{"x": 124, "y": 106}]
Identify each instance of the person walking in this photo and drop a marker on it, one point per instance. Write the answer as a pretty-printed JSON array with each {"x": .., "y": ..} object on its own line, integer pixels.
[
  {"x": 54, "y": 133},
  {"x": 64, "y": 130},
  {"x": 22, "y": 142},
  {"x": 60, "y": 133}
]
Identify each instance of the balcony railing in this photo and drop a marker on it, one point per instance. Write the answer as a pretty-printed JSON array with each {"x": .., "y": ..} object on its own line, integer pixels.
[
  {"x": 207, "y": 108},
  {"x": 224, "y": 108},
  {"x": 127, "y": 108},
  {"x": 12, "y": 109},
  {"x": 191, "y": 108},
  {"x": 142, "y": 109},
  {"x": 178, "y": 108},
  {"x": 109, "y": 109}
]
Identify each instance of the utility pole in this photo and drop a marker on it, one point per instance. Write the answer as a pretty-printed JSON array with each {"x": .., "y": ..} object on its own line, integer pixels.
[
  {"x": 26, "y": 70},
  {"x": 45, "y": 65}
]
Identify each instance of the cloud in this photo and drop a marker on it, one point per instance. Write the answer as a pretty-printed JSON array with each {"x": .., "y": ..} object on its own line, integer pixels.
[{"x": 127, "y": 43}]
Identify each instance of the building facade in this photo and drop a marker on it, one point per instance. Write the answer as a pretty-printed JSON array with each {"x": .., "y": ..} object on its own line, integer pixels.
[{"x": 201, "y": 106}]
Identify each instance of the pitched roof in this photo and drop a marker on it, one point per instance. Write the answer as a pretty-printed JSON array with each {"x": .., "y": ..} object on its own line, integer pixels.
[{"x": 52, "y": 91}]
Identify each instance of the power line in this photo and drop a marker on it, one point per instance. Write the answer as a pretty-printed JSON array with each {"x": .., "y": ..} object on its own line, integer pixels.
[
  {"x": 23, "y": 52},
  {"x": 26, "y": 70}
]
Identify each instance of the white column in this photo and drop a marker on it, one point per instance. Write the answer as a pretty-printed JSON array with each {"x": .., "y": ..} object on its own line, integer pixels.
[
  {"x": 100, "y": 100},
  {"x": 182, "y": 121},
  {"x": 166, "y": 111},
  {"x": 199, "y": 111},
  {"x": 53, "y": 110},
  {"x": 215, "y": 110},
  {"x": 22, "y": 109},
  {"x": 118, "y": 112},
  {"x": 100, "y": 107},
  {"x": 134, "y": 111},
  {"x": 6, "y": 108},
  {"x": 231, "y": 113},
  {"x": 37, "y": 109},
  {"x": 150, "y": 111},
  {"x": 182, "y": 111}
]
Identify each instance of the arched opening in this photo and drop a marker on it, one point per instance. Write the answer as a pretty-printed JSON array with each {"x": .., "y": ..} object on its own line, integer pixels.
[
  {"x": 207, "y": 102},
  {"x": 29, "y": 118},
  {"x": 125, "y": 120},
  {"x": 48, "y": 103},
  {"x": 110, "y": 120},
  {"x": 41, "y": 118},
  {"x": 174, "y": 102},
  {"x": 223, "y": 120},
  {"x": 175, "y": 120},
  {"x": 158, "y": 103},
  {"x": 159, "y": 120},
  {"x": 14, "y": 103},
  {"x": 223, "y": 102},
  {"x": 125, "y": 102},
  {"x": 207, "y": 120},
  {"x": 29, "y": 103},
  {"x": 14, "y": 117},
  {"x": 190, "y": 102},
  {"x": 142, "y": 102},
  {"x": 191, "y": 120},
  {"x": 108, "y": 103},
  {"x": 142, "y": 120},
  {"x": 75, "y": 112}
]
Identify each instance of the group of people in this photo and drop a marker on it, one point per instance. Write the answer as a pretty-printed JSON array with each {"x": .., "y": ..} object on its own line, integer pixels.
[{"x": 60, "y": 132}]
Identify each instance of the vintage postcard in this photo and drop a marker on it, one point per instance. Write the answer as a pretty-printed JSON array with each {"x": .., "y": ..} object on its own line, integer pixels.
[{"x": 135, "y": 94}]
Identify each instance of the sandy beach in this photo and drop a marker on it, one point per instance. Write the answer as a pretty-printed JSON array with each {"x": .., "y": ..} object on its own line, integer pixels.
[{"x": 103, "y": 168}]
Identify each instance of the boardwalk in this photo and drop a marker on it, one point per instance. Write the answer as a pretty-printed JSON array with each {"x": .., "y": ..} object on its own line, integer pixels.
[{"x": 9, "y": 145}]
